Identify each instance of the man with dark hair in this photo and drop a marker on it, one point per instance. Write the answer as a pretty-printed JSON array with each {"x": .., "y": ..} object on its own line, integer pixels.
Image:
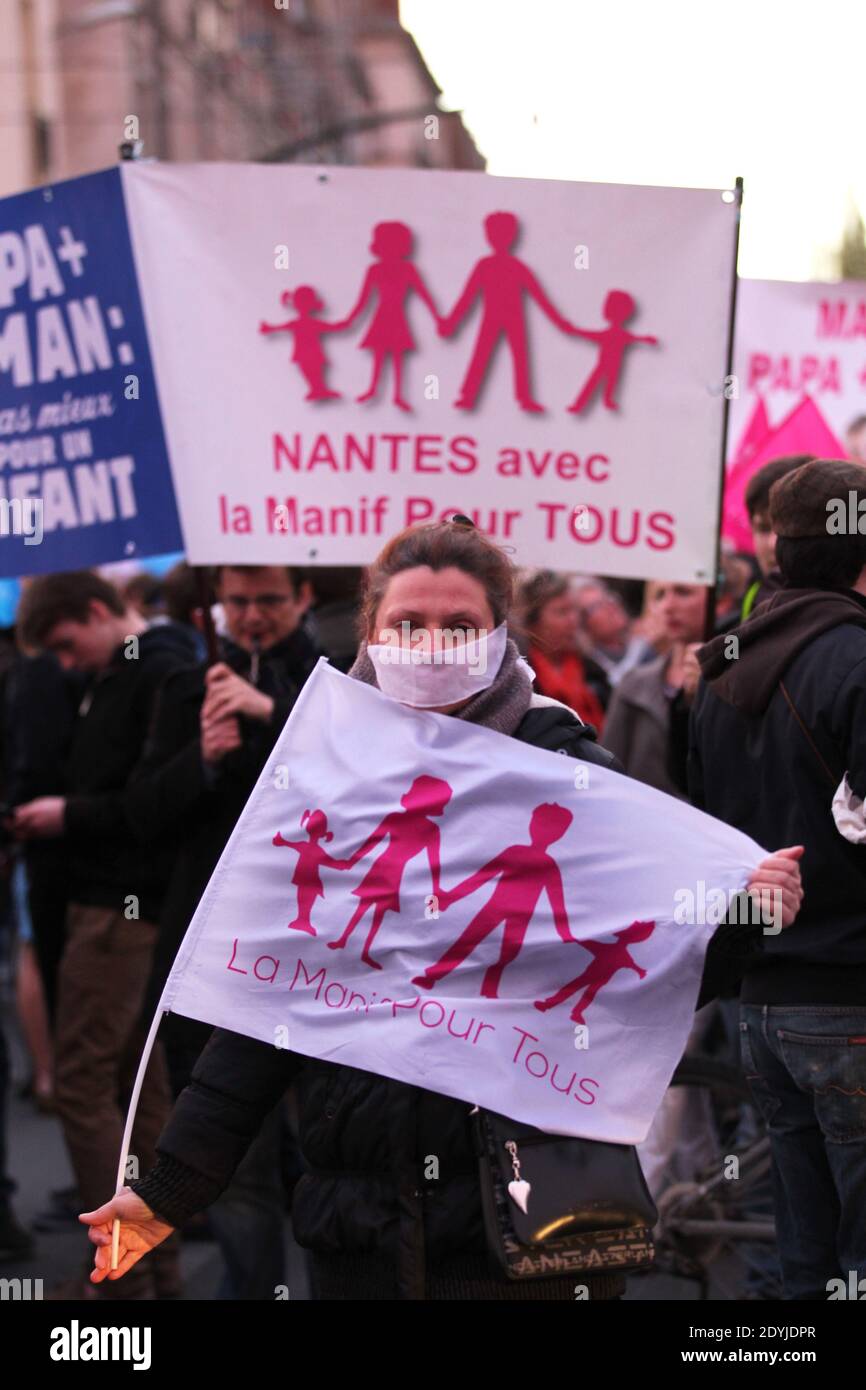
[
  {"x": 114, "y": 891},
  {"x": 757, "y": 499},
  {"x": 60, "y": 600},
  {"x": 779, "y": 718}
]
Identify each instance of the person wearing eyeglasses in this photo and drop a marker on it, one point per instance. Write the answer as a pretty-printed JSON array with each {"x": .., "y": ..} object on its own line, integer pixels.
[{"x": 213, "y": 733}]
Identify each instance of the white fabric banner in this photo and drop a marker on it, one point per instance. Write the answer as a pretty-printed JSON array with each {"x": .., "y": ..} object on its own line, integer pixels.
[
  {"x": 344, "y": 352},
  {"x": 403, "y": 890}
]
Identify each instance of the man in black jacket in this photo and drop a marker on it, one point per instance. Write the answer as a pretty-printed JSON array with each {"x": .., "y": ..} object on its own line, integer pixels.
[
  {"x": 779, "y": 720},
  {"x": 115, "y": 892},
  {"x": 213, "y": 731}
]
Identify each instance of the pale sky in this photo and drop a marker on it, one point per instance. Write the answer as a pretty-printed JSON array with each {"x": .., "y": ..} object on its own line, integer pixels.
[{"x": 681, "y": 92}]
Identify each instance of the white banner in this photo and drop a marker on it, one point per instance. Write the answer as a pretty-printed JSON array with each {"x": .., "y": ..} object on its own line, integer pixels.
[
  {"x": 342, "y": 352},
  {"x": 453, "y": 908},
  {"x": 800, "y": 373}
]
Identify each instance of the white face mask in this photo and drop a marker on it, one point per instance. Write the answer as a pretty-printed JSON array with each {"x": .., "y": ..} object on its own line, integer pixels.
[{"x": 428, "y": 675}]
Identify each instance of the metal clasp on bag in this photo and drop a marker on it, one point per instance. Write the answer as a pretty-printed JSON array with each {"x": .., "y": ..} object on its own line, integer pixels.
[{"x": 518, "y": 1189}]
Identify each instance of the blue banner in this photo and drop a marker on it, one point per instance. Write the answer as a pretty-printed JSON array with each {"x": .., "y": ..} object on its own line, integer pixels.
[{"x": 84, "y": 471}]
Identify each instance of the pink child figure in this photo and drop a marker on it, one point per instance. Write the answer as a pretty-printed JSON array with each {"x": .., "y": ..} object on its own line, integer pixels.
[
  {"x": 409, "y": 832},
  {"x": 501, "y": 280},
  {"x": 608, "y": 957},
  {"x": 612, "y": 343},
  {"x": 524, "y": 873},
  {"x": 311, "y": 859},
  {"x": 392, "y": 280},
  {"x": 307, "y": 333}
]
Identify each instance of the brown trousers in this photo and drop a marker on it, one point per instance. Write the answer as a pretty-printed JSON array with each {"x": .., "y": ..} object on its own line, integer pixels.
[{"x": 100, "y": 1036}]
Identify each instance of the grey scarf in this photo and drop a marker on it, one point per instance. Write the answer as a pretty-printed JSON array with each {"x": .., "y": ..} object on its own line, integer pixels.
[{"x": 501, "y": 706}]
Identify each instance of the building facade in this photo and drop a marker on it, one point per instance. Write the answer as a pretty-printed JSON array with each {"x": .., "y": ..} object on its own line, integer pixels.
[{"x": 307, "y": 81}]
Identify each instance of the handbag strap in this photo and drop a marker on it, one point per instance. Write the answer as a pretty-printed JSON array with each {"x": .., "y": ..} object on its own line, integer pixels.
[{"x": 793, "y": 708}]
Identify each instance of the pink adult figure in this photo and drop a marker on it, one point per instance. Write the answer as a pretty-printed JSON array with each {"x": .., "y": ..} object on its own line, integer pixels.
[
  {"x": 612, "y": 343},
  {"x": 312, "y": 857},
  {"x": 392, "y": 280},
  {"x": 524, "y": 873},
  {"x": 608, "y": 957},
  {"x": 307, "y": 333},
  {"x": 501, "y": 280},
  {"x": 408, "y": 832}
]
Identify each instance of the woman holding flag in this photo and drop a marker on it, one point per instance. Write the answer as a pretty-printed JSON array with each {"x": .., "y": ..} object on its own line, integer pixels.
[{"x": 374, "y": 1228}]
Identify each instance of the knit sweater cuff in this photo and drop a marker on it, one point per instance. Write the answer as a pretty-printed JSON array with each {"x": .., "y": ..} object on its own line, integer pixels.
[{"x": 175, "y": 1192}]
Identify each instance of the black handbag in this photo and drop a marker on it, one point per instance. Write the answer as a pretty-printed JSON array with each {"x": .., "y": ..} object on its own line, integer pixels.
[{"x": 554, "y": 1205}]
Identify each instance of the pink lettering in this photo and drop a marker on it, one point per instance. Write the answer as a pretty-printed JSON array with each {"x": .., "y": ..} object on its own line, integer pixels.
[
  {"x": 544, "y": 1063},
  {"x": 587, "y": 1081},
  {"x": 269, "y": 979},
  {"x": 308, "y": 979},
  {"x": 480, "y": 1029},
  {"x": 413, "y": 1004},
  {"x": 523, "y": 1037},
  {"x": 231, "y": 965},
  {"x": 451, "y": 1030},
  {"x": 431, "y": 1004}
]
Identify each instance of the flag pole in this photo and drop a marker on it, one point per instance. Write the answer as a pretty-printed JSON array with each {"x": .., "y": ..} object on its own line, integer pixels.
[
  {"x": 204, "y": 598},
  {"x": 131, "y": 150},
  {"x": 710, "y": 610},
  {"x": 210, "y": 635},
  {"x": 130, "y": 1121}
]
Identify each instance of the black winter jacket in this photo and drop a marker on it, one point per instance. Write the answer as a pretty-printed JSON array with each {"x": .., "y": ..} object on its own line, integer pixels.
[
  {"x": 106, "y": 865},
  {"x": 752, "y": 766},
  {"x": 366, "y": 1139}
]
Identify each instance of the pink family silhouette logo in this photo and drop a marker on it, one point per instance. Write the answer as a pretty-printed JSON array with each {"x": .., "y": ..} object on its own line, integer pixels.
[
  {"x": 500, "y": 282},
  {"x": 607, "y": 959},
  {"x": 612, "y": 343},
  {"x": 523, "y": 873},
  {"x": 408, "y": 832},
  {"x": 392, "y": 280},
  {"x": 307, "y": 334},
  {"x": 312, "y": 858}
]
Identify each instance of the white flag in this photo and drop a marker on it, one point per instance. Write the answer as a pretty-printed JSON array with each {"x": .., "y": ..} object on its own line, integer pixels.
[{"x": 430, "y": 900}]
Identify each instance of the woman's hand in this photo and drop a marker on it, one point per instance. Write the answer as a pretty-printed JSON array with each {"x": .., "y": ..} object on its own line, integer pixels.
[
  {"x": 777, "y": 881},
  {"x": 140, "y": 1231}
]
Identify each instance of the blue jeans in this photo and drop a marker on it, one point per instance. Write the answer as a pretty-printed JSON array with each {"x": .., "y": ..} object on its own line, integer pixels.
[
  {"x": 806, "y": 1066},
  {"x": 248, "y": 1218}
]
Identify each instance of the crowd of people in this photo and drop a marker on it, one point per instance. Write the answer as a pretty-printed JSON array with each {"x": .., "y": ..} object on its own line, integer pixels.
[{"x": 123, "y": 779}]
